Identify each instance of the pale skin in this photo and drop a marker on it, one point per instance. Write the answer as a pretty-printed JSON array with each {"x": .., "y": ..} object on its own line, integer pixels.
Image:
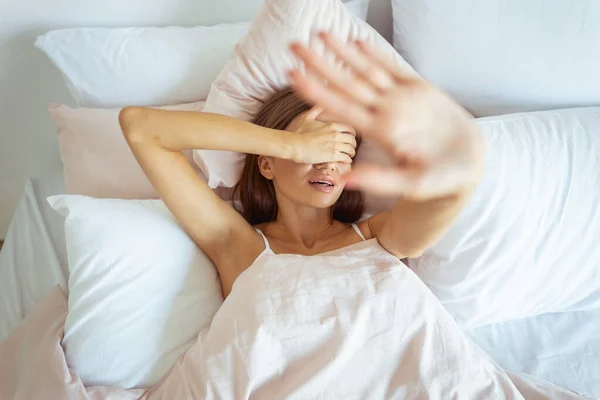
[{"x": 438, "y": 150}]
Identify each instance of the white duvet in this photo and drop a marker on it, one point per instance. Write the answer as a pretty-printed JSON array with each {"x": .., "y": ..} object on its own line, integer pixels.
[
  {"x": 351, "y": 324},
  {"x": 355, "y": 323}
]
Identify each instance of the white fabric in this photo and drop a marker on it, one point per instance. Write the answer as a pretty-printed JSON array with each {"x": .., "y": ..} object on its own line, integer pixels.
[
  {"x": 117, "y": 67},
  {"x": 146, "y": 66},
  {"x": 33, "y": 259},
  {"x": 528, "y": 241},
  {"x": 359, "y": 8},
  {"x": 97, "y": 160},
  {"x": 354, "y": 323},
  {"x": 562, "y": 348},
  {"x": 502, "y": 56},
  {"x": 358, "y": 232},
  {"x": 140, "y": 290}
]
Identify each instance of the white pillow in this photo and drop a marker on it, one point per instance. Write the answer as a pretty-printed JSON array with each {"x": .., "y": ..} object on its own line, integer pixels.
[
  {"x": 528, "y": 242},
  {"x": 151, "y": 66},
  {"x": 140, "y": 290},
  {"x": 117, "y": 67},
  {"x": 503, "y": 56}
]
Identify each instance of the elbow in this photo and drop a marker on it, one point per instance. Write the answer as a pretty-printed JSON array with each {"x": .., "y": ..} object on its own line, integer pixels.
[
  {"x": 130, "y": 121},
  {"x": 407, "y": 252},
  {"x": 412, "y": 253},
  {"x": 401, "y": 251}
]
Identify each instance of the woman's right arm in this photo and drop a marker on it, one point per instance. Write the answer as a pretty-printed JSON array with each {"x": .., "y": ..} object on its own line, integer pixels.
[
  {"x": 183, "y": 130},
  {"x": 157, "y": 138}
]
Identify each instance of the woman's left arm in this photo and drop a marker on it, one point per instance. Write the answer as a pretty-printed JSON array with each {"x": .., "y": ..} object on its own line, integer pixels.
[
  {"x": 432, "y": 194},
  {"x": 436, "y": 148},
  {"x": 412, "y": 226}
]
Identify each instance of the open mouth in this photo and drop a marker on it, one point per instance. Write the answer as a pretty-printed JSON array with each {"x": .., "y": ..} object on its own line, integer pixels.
[{"x": 322, "y": 183}]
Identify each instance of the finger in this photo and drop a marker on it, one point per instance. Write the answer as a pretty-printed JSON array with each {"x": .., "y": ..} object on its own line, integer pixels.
[
  {"x": 347, "y": 149},
  {"x": 313, "y": 113},
  {"x": 334, "y": 102},
  {"x": 341, "y": 80},
  {"x": 341, "y": 128},
  {"x": 348, "y": 138},
  {"x": 373, "y": 73},
  {"x": 343, "y": 158},
  {"x": 384, "y": 61},
  {"x": 384, "y": 181}
]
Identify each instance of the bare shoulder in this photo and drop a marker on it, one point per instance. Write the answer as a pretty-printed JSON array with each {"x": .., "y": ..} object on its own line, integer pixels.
[{"x": 370, "y": 227}]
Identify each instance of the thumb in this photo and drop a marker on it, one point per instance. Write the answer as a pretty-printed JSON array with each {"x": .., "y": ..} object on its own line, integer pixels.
[
  {"x": 384, "y": 181},
  {"x": 313, "y": 113}
]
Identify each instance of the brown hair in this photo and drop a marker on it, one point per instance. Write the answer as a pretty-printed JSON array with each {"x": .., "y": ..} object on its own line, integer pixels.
[{"x": 256, "y": 194}]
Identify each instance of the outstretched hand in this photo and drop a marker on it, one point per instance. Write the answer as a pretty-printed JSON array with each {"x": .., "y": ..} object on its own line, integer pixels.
[{"x": 435, "y": 144}]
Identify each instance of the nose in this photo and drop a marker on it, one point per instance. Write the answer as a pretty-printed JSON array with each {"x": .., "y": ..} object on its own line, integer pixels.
[{"x": 326, "y": 166}]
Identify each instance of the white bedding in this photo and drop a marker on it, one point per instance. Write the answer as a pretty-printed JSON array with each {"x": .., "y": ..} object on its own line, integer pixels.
[
  {"x": 353, "y": 323},
  {"x": 562, "y": 348},
  {"x": 33, "y": 260}
]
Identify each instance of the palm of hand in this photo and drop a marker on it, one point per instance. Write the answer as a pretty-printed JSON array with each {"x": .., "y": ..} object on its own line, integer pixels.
[
  {"x": 436, "y": 146},
  {"x": 433, "y": 142}
]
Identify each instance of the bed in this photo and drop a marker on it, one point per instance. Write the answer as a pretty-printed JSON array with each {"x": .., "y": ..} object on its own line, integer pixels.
[
  {"x": 494, "y": 277},
  {"x": 563, "y": 348}
]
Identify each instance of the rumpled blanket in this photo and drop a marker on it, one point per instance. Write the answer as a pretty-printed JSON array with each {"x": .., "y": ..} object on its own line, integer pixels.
[{"x": 357, "y": 324}]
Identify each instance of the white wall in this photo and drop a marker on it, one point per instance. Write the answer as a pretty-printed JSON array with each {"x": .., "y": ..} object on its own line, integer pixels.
[{"x": 28, "y": 81}]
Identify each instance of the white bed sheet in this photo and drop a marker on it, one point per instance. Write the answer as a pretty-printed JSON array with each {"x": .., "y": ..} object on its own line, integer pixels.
[
  {"x": 33, "y": 260},
  {"x": 563, "y": 348}
]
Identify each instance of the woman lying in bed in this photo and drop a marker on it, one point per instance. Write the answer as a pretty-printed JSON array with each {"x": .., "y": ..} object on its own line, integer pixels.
[{"x": 298, "y": 191}]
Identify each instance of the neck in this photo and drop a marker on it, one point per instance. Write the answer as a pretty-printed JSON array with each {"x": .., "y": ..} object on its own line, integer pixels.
[{"x": 303, "y": 225}]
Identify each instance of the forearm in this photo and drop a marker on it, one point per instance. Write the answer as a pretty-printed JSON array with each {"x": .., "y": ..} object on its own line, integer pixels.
[
  {"x": 419, "y": 223},
  {"x": 416, "y": 225},
  {"x": 183, "y": 130}
]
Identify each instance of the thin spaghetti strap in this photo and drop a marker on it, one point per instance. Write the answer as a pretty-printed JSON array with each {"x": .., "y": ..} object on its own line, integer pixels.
[
  {"x": 358, "y": 231},
  {"x": 267, "y": 247}
]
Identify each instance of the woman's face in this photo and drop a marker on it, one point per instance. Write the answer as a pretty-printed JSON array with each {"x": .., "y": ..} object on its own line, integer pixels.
[{"x": 300, "y": 182}]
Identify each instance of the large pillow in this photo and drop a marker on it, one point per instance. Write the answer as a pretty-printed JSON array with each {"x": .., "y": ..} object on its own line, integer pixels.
[
  {"x": 117, "y": 67},
  {"x": 140, "y": 290},
  {"x": 528, "y": 242},
  {"x": 503, "y": 56},
  {"x": 259, "y": 63},
  {"x": 97, "y": 161},
  {"x": 145, "y": 66}
]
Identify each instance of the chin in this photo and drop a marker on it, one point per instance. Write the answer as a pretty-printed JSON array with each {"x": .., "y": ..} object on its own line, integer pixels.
[{"x": 324, "y": 200}]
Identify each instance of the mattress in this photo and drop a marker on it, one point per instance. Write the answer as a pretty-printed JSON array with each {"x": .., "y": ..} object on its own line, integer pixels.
[{"x": 563, "y": 348}]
